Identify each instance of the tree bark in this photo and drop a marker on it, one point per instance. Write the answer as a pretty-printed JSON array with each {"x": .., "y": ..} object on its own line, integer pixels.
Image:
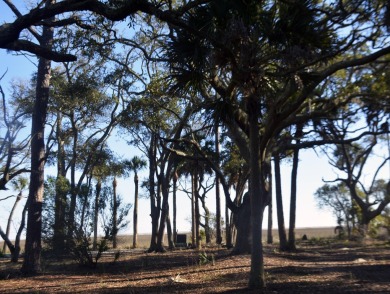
[
  {"x": 242, "y": 222},
  {"x": 154, "y": 199},
  {"x": 171, "y": 244},
  {"x": 33, "y": 246},
  {"x": 175, "y": 178},
  {"x": 96, "y": 212},
  {"x": 228, "y": 232},
  {"x": 293, "y": 201},
  {"x": 135, "y": 213},
  {"x": 217, "y": 191},
  {"x": 270, "y": 212},
  {"x": 257, "y": 192},
  {"x": 193, "y": 225},
  {"x": 279, "y": 204},
  {"x": 114, "y": 214}
]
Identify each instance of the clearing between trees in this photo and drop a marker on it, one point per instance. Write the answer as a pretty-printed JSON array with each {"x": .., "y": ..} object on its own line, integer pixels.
[{"x": 318, "y": 266}]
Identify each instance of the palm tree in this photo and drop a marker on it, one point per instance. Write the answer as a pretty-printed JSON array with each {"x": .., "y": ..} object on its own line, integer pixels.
[{"x": 135, "y": 165}]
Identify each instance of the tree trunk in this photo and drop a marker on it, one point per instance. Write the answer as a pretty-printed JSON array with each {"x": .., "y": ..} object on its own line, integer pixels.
[
  {"x": 171, "y": 244},
  {"x": 175, "y": 178},
  {"x": 164, "y": 212},
  {"x": 269, "y": 231},
  {"x": 193, "y": 225},
  {"x": 242, "y": 222},
  {"x": 114, "y": 214},
  {"x": 293, "y": 201},
  {"x": 257, "y": 192},
  {"x": 135, "y": 213},
  {"x": 7, "y": 241},
  {"x": 96, "y": 212},
  {"x": 279, "y": 204},
  {"x": 15, "y": 254},
  {"x": 228, "y": 232},
  {"x": 197, "y": 212},
  {"x": 18, "y": 198},
  {"x": 33, "y": 246},
  {"x": 154, "y": 200},
  {"x": 217, "y": 191},
  {"x": 206, "y": 219}
]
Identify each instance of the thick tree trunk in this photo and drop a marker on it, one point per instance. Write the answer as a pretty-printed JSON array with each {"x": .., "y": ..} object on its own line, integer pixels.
[
  {"x": 279, "y": 205},
  {"x": 33, "y": 246},
  {"x": 135, "y": 213},
  {"x": 258, "y": 195},
  {"x": 242, "y": 221}
]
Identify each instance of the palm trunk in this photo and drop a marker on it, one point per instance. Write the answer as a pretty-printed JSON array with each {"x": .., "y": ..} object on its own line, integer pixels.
[
  {"x": 293, "y": 201},
  {"x": 193, "y": 225},
  {"x": 114, "y": 214},
  {"x": 96, "y": 212},
  {"x": 135, "y": 213},
  {"x": 257, "y": 192},
  {"x": 175, "y": 178},
  {"x": 279, "y": 205}
]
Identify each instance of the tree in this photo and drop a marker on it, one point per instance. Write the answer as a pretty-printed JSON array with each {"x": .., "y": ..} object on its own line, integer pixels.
[
  {"x": 135, "y": 165},
  {"x": 112, "y": 226},
  {"x": 33, "y": 246},
  {"x": 272, "y": 57},
  {"x": 13, "y": 153},
  {"x": 338, "y": 198}
]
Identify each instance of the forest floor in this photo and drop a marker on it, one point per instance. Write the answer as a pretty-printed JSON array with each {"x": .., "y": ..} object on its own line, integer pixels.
[{"x": 322, "y": 266}]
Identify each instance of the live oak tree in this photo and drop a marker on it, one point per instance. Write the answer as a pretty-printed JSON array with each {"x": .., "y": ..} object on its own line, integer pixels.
[
  {"x": 338, "y": 198},
  {"x": 14, "y": 148}
]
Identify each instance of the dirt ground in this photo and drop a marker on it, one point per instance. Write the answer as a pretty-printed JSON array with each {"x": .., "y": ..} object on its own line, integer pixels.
[{"x": 314, "y": 268}]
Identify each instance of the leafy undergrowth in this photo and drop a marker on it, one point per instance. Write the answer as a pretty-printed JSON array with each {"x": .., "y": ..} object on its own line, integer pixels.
[{"x": 313, "y": 268}]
